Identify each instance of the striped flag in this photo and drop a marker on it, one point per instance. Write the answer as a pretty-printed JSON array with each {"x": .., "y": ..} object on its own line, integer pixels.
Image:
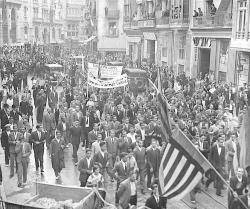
[{"x": 182, "y": 164}]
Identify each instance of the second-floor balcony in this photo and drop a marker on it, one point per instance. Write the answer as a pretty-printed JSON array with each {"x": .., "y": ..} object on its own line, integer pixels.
[
  {"x": 220, "y": 19},
  {"x": 146, "y": 23},
  {"x": 14, "y": 1},
  {"x": 113, "y": 14},
  {"x": 162, "y": 21}
]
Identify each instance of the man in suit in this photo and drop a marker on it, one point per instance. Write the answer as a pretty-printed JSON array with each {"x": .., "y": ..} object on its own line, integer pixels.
[
  {"x": 5, "y": 143},
  {"x": 119, "y": 113},
  {"x": 153, "y": 162},
  {"x": 231, "y": 151},
  {"x": 85, "y": 167},
  {"x": 4, "y": 116},
  {"x": 52, "y": 99},
  {"x": 14, "y": 138},
  {"x": 40, "y": 103},
  {"x": 63, "y": 127},
  {"x": 127, "y": 194},
  {"x": 104, "y": 160},
  {"x": 23, "y": 153},
  {"x": 140, "y": 157},
  {"x": 124, "y": 142},
  {"x": 37, "y": 139},
  {"x": 15, "y": 114},
  {"x": 87, "y": 126},
  {"x": 204, "y": 146},
  {"x": 92, "y": 135},
  {"x": 75, "y": 133},
  {"x": 120, "y": 172},
  {"x": 155, "y": 201},
  {"x": 131, "y": 114},
  {"x": 217, "y": 158},
  {"x": 49, "y": 125},
  {"x": 112, "y": 145}
]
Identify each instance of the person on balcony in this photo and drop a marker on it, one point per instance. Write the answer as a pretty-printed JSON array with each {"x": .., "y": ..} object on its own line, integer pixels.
[
  {"x": 213, "y": 9},
  {"x": 196, "y": 14},
  {"x": 200, "y": 13}
]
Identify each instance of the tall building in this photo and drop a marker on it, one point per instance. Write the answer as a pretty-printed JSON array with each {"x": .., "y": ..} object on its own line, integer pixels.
[
  {"x": 211, "y": 28},
  {"x": 111, "y": 38},
  {"x": 73, "y": 20},
  {"x": 240, "y": 42},
  {"x": 158, "y": 32}
]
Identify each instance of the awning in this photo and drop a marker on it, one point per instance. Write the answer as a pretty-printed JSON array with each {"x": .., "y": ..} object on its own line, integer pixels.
[
  {"x": 133, "y": 39},
  {"x": 149, "y": 36},
  {"x": 89, "y": 39}
]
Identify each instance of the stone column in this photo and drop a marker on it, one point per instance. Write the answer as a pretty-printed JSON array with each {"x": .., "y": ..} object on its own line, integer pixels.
[{"x": 19, "y": 27}]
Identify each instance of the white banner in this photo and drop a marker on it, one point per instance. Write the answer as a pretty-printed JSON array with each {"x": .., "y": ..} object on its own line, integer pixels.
[
  {"x": 110, "y": 72},
  {"x": 93, "y": 69},
  {"x": 120, "y": 81},
  {"x": 107, "y": 72}
]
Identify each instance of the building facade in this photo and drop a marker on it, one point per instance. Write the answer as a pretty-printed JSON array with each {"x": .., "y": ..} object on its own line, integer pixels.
[
  {"x": 110, "y": 34},
  {"x": 158, "y": 32},
  {"x": 240, "y": 42},
  {"x": 211, "y": 29}
]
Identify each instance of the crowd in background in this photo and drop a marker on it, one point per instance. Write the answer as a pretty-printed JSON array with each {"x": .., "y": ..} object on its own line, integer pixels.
[{"x": 119, "y": 130}]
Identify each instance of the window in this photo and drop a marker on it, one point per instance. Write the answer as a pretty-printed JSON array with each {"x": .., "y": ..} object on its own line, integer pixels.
[
  {"x": 241, "y": 18},
  {"x": 25, "y": 10},
  {"x": 164, "y": 51},
  {"x": 35, "y": 12},
  {"x": 182, "y": 46},
  {"x": 59, "y": 32},
  {"x": 113, "y": 29},
  {"x": 26, "y": 30},
  {"x": 36, "y": 33},
  {"x": 53, "y": 33},
  {"x": 222, "y": 76},
  {"x": 126, "y": 11},
  {"x": 180, "y": 69}
]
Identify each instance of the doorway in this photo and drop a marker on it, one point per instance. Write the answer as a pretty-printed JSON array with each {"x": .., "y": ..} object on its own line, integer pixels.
[
  {"x": 151, "y": 51},
  {"x": 204, "y": 61}
]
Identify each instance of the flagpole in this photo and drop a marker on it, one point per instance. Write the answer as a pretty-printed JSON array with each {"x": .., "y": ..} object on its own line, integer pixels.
[{"x": 205, "y": 159}]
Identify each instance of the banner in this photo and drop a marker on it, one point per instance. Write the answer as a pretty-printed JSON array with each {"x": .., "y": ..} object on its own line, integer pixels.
[
  {"x": 93, "y": 69},
  {"x": 107, "y": 72},
  {"x": 110, "y": 72},
  {"x": 120, "y": 81}
]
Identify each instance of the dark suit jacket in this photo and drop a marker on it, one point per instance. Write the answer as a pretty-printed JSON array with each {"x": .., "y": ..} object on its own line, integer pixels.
[
  {"x": 124, "y": 193},
  {"x": 92, "y": 136},
  {"x": 140, "y": 157},
  {"x": 75, "y": 135},
  {"x": 151, "y": 203},
  {"x": 154, "y": 158},
  {"x": 119, "y": 114},
  {"x": 122, "y": 174},
  {"x": 83, "y": 168},
  {"x": 4, "y": 118},
  {"x": 13, "y": 141},
  {"x": 5, "y": 140},
  {"x": 35, "y": 141},
  {"x": 112, "y": 146},
  {"x": 218, "y": 161},
  {"x": 104, "y": 163}
]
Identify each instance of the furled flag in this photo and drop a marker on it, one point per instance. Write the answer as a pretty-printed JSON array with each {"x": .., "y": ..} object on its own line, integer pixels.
[{"x": 182, "y": 164}]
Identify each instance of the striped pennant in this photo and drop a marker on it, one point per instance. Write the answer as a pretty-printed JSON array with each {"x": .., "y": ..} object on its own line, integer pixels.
[{"x": 182, "y": 165}]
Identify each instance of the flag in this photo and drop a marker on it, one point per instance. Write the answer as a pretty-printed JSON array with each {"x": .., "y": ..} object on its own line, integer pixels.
[
  {"x": 244, "y": 141},
  {"x": 182, "y": 164}
]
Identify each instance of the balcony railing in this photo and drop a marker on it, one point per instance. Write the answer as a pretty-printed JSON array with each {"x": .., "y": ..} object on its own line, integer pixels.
[
  {"x": 146, "y": 23},
  {"x": 14, "y": 1},
  {"x": 179, "y": 21},
  {"x": 113, "y": 14},
  {"x": 220, "y": 19},
  {"x": 162, "y": 21}
]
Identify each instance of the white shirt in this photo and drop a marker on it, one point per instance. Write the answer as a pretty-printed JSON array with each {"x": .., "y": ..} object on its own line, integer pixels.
[
  {"x": 156, "y": 198},
  {"x": 219, "y": 149},
  {"x": 88, "y": 161},
  {"x": 133, "y": 188},
  {"x": 124, "y": 165},
  {"x": 102, "y": 153}
]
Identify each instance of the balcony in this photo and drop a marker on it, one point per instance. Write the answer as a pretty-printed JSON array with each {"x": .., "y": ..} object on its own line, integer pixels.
[
  {"x": 14, "y": 1},
  {"x": 162, "y": 21},
  {"x": 146, "y": 23},
  {"x": 179, "y": 22},
  {"x": 113, "y": 14},
  {"x": 220, "y": 19}
]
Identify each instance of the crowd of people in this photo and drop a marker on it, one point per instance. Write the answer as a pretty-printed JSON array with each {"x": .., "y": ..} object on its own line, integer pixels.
[{"x": 119, "y": 131}]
